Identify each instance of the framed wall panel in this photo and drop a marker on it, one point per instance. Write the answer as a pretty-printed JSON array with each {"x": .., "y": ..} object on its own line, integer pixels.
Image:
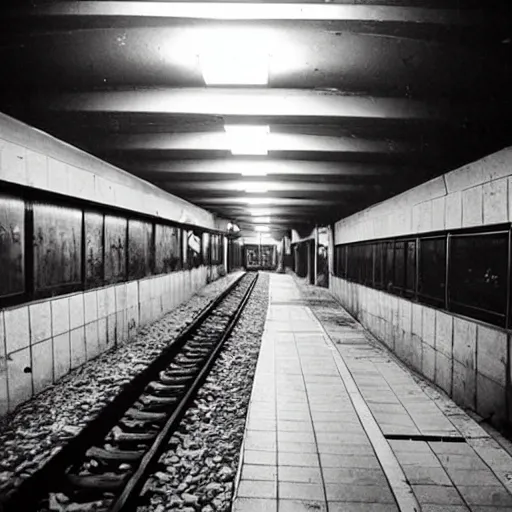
[
  {"x": 167, "y": 249},
  {"x": 57, "y": 247},
  {"x": 479, "y": 276},
  {"x": 115, "y": 249},
  {"x": 94, "y": 249},
  {"x": 140, "y": 248},
  {"x": 432, "y": 270},
  {"x": 12, "y": 246}
]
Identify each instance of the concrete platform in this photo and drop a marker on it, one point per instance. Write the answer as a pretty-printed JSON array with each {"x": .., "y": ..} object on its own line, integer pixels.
[{"x": 330, "y": 419}]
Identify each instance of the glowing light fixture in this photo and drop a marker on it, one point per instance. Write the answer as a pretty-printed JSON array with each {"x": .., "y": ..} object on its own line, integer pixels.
[
  {"x": 258, "y": 200},
  {"x": 262, "y": 229},
  {"x": 254, "y": 172},
  {"x": 255, "y": 187},
  {"x": 234, "y": 57},
  {"x": 256, "y": 212},
  {"x": 245, "y": 139},
  {"x": 262, "y": 220}
]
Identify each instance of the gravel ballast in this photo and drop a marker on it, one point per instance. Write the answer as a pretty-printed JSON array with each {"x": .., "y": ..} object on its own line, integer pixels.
[
  {"x": 36, "y": 430},
  {"x": 198, "y": 471}
]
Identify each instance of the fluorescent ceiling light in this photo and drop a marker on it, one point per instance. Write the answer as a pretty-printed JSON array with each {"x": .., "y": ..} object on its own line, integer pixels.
[
  {"x": 261, "y": 220},
  {"x": 254, "y": 172},
  {"x": 255, "y": 212},
  {"x": 262, "y": 228},
  {"x": 258, "y": 200},
  {"x": 234, "y": 57},
  {"x": 245, "y": 139},
  {"x": 255, "y": 187}
]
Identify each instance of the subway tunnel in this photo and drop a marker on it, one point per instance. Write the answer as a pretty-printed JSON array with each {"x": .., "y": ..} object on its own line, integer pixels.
[{"x": 357, "y": 154}]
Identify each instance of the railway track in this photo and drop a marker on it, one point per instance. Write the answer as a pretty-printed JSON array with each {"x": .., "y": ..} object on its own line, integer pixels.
[{"x": 105, "y": 466}]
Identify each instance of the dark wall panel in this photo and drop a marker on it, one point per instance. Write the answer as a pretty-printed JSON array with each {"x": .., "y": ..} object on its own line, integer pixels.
[
  {"x": 57, "y": 247},
  {"x": 115, "y": 249},
  {"x": 140, "y": 240},
  {"x": 94, "y": 249},
  {"x": 12, "y": 246},
  {"x": 167, "y": 249}
]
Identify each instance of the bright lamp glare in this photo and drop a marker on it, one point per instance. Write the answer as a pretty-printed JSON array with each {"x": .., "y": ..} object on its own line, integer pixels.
[
  {"x": 261, "y": 220},
  {"x": 234, "y": 58},
  {"x": 256, "y": 212},
  {"x": 258, "y": 200},
  {"x": 262, "y": 229},
  {"x": 252, "y": 188},
  {"x": 247, "y": 139},
  {"x": 254, "y": 172}
]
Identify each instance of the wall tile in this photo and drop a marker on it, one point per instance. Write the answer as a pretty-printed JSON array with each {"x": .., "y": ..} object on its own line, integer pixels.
[
  {"x": 76, "y": 311},
  {"x": 60, "y": 316},
  {"x": 37, "y": 169},
  {"x": 464, "y": 385},
  {"x": 492, "y": 354},
  {"x": 16, "y": 329},
  {"x": 102, "y": 335},
  {"x": 61, "y": 355},
  {"x": 121, "y": 297},
  {"x": 110, "y": 300},
  {"x": 132, "y": 294},
  {"x": 133, "y": 321},
  {"x": 472, "y": 207},
  {"x": 78, "y": 350},
  {"x": 453, "y": 210},
  {"x": 121, "y": 327},
  {"x": 111, "y": 330},
  {"x": 464, "y": 342},
  {"x": 58, "y": 176},
  {"x": 429, "y": 326},
  {"x": 90, "y": 306},
  {"x": 82, "y": 183},
  {"x": 40, "y": 322},
  {"x": 101, "y": 298},
  {"x": 42, "y": 365},
  {"x": 417, "y": 316},
  {"x": 13, "y": 163},
  {"x": 428, "y": 362},
  {"x": 416, "y": 352},
  {"x": 490, "y": 400},
  {"x": 425, "y": 223},
  {"x": 438, "y": 214},
  {"x": 91, "y": 340},
  {"x": 495, "y": 201},
  {"x": 444, "y": 333},
  {"x": 19, "y": 377},
  {"x": 444, "y": 372},
  {"x": 104, "y": 190}
]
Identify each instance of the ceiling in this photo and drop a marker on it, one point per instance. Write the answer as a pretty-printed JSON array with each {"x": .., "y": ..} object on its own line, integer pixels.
[{"x": 364, "y": 99}]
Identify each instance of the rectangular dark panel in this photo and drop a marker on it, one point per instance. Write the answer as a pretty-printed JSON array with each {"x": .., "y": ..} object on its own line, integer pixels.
[
  {"x": 432, "y": 270},
  {"x": 478, "y": 276},
  {"x": 57, "y": 248},
  {"x": 379, "y": 265},
  {"x": 140, "y": 248},
  {"x": 399, "y": 267},
  {"x": 115, "y": 249},
  {"x": 368, "y": 264},
  {"x": 410, "y": 268},
  {"x": 193, "y": 249},
  {"x": 388, "y": 265},
  {"x": 12, "y": 246},
  {"x": 93, "y": 249},
  {"x": 206, "y": 248},
  {"x": 167, "y": 249}
]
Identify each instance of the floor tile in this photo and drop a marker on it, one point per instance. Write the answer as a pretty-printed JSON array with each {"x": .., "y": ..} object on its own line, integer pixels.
[
  {"x": 300, "y": 474},
  {"x": 297, "y": 459},
  {"x": 300, "y": 491},
  {"x": 302, "y": 506},
  {"x": 260, "y": 457},
  {"x": 259, "y": 472},
  {"x": 348, "y": 461},
  {"x": 356, "y": 476},
  {"x": 437, "y": 494},
  {"x": 254, "y": 505},
  {"x": 359, "y": 493},
  {"x": 257, "y": 489}
]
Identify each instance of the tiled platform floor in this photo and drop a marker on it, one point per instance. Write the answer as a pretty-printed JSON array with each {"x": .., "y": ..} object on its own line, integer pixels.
[{"x": 320, "y": 411}]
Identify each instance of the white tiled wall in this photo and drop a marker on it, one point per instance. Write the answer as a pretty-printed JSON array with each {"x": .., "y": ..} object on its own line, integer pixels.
[{"x": 41, "y": 342}]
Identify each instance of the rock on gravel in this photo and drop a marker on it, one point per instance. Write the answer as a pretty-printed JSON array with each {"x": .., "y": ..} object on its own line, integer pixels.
[
  {"x": 36, "y": 430},
  {"x": 203, "y": 455}
]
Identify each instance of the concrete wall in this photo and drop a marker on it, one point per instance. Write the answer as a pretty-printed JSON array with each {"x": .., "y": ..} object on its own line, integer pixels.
[
  {"x": 42, "y": 340},
  {"x": 468, "y": 359}
]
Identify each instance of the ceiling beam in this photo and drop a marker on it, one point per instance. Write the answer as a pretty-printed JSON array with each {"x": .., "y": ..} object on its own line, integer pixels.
[
  {"x": 220, "y": 141},
  {"x": 247, "y": 102},
  {"x": 254, "y": 11}
]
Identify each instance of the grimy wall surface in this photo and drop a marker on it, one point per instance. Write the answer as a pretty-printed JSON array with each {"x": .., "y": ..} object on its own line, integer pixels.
[
  {"x": 469, "y": 358},
  {"x": 41, "y": 340}
]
